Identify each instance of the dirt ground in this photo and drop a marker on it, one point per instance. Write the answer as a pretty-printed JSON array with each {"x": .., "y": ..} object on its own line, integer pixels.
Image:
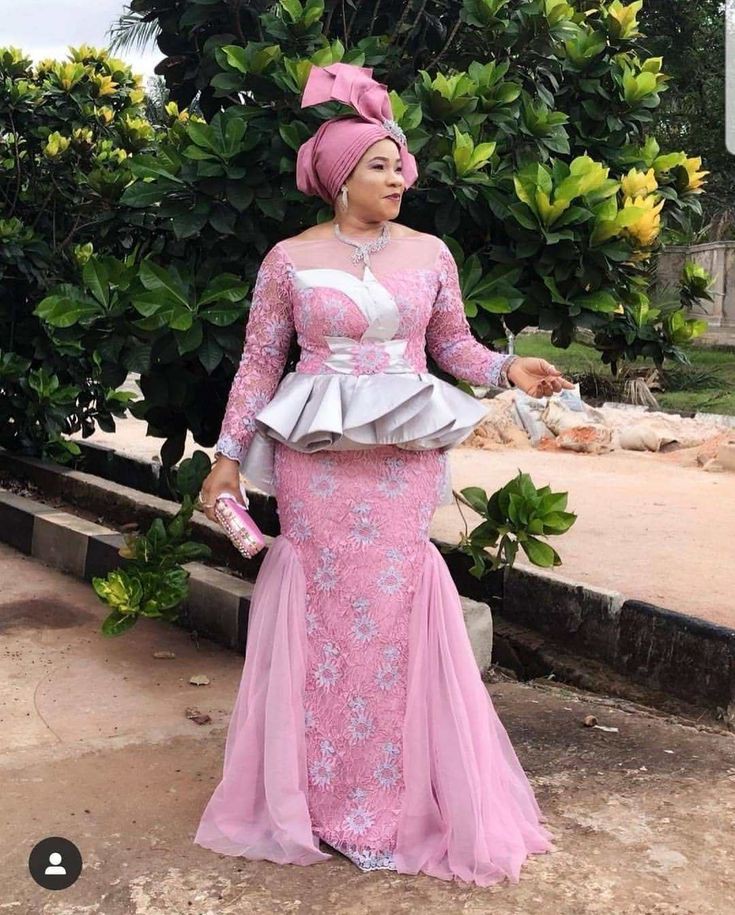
[
  {"x": 654, "y": 526},
  {"x": 97, "y": 748}
]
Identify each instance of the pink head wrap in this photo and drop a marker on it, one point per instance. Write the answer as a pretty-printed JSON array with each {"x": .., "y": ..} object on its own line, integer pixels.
[{"x": 327, "y": 158}]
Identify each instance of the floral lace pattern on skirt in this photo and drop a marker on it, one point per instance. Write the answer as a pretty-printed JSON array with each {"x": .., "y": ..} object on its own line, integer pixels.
[{"x": 359, "y": 521}]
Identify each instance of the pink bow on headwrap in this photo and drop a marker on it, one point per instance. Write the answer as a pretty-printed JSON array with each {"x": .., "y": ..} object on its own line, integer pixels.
[{"x": 327, "y": 158}]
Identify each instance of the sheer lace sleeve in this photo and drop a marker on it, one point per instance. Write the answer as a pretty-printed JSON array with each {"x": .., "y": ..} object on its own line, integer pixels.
[
  {"x": 449, "y": 338},
  {"x": 268, "y": 337}
]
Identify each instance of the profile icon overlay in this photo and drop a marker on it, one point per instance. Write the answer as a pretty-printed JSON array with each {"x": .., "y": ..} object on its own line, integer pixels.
[{"x": 55, "y": 863}]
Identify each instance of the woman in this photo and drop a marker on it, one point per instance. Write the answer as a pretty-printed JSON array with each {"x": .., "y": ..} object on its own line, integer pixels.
[{"x": 361, "y": 718}]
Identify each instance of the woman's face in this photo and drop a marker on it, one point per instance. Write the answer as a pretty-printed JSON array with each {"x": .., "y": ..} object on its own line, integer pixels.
[{"x": 375, "y": 187}]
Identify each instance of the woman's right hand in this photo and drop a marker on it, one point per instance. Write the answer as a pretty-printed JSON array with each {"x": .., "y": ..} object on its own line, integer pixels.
[{"x": 223, "y": 477}]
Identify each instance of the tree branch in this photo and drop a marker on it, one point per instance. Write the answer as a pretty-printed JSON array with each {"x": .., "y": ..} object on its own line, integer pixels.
[
  {"x": 329, "y": 19},
  {"x": 404, "y": 14},
  {"x": 375, "y": 16},
  {"x": 452, "y": 34},
  {"x": 417, "y": 19},
  {"x": 41, "y": 211},
  {"x": 352, "y": 20},
  {"x": 235, "y": 11}
]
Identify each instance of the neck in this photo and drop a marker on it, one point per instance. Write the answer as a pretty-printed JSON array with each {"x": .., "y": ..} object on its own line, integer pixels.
[{"x": 360, "y": 228}]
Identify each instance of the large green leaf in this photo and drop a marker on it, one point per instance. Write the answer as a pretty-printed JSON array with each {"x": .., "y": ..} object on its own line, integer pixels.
[
  {"x": 191, "y": 339},
  {"x": 226, "y": 287},
  {"x": 236, "y": 57},
  {"x": 210, "y": 354},
  {"x": 598, "y": 301},
  {"x": 63, "y": 311},
  {"x": 143, "y": 193},
  {"x": 157, "y": 279},
  {"x": 540, "y": 554},
  {"x": 97, "y": 279},
  {"x": 151, "y": 167},
  {"x": 189, "y": 222}
]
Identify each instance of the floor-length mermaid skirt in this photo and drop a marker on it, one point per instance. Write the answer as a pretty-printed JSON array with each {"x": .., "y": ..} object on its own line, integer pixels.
[{"x": 361, "y": 718}]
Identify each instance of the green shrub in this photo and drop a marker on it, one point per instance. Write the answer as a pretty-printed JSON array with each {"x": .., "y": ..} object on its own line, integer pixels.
[
  {"x": 153, "y": 582},
  {"x": 517, "y": 515},
  {"x": 67, "y": 132}
]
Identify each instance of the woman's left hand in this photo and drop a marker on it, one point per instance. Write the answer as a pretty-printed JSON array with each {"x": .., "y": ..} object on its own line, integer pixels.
[{"x": 537, "y": 377}]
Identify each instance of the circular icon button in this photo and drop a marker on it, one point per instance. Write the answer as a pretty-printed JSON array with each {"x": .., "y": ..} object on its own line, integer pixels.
[{"x": 55, "y": 863}]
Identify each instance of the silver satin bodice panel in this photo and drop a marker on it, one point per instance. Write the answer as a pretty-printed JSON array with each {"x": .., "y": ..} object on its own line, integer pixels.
[{"x": 344, "y": 410}]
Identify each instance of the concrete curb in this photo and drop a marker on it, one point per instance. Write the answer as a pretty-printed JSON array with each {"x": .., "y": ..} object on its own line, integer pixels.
[
  {"x": 649, "y": 645},
  {"x": 685, "y": 656},
  {"x": 218, "y": 603}
]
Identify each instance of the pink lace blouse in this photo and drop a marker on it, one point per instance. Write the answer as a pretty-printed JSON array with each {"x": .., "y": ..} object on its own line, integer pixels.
[{"x": 362, "y": 376}]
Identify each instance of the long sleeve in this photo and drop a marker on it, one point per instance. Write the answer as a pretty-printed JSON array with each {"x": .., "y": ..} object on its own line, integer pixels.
[
  {"x": 267, "y": 340},
  {"x": 449, "y": 338}
]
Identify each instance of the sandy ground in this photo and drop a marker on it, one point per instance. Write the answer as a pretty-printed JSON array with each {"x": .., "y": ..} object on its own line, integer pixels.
[
  {"x": 654, "y": 526},
  {"x": 97, "y": 748}
]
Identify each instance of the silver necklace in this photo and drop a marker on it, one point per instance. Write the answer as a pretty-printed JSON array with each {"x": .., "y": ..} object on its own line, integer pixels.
[{"x": 365, "y": 249}]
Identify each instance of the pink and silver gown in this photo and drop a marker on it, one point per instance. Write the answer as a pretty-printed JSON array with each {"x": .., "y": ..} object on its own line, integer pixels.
[{"x": 361, "y": 718}]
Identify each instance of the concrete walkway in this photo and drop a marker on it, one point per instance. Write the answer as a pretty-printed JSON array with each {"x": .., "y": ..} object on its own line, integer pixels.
[{"x": 98, "y": 748}]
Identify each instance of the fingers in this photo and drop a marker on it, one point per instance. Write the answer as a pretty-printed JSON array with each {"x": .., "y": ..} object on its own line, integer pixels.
[
  {"x": 206, "y": 505},
  {"x": 223, "y": 477},
  {"x": 555, "y": 379},
  {"x": 208, "y": 494},
  {"x": 552, "y": 385},
  {"x": 205, "y": 502}
]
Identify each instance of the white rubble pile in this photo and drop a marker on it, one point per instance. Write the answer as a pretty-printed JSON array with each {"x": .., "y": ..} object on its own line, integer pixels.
[{"x": 516, "y": 419}]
